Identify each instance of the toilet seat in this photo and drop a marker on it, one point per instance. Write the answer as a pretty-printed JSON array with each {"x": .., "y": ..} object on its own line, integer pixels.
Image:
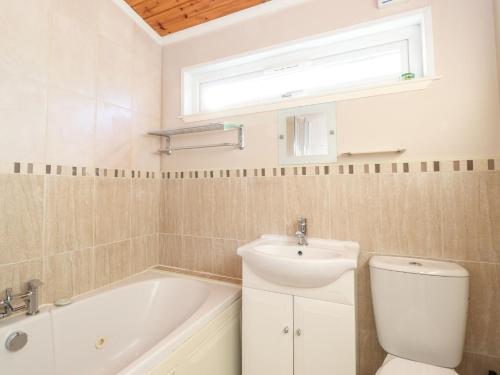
[{"x": 399, "y": 366}]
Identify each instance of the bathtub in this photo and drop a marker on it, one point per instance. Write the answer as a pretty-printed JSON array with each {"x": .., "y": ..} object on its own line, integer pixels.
[{"x": 130, "y": 327}]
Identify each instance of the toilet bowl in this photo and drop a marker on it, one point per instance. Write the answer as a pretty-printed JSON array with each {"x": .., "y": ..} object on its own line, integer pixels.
[
  {"x": 420, "y": 309},
  {"x": 400, "y": 366}
]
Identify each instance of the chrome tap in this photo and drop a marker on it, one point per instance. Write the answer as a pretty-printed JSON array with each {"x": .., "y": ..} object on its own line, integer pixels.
[
  {"x": 6, "y": 303},
  {"x": 302, "y": 232},
  {"x": 33, "y": 301},
  {"x": 30, "y": 299}
]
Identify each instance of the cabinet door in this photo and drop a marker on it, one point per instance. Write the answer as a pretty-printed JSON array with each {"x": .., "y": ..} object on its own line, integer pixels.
[
  {"x": 324, "y": 338},
  {"x": 267, "y": 333}
]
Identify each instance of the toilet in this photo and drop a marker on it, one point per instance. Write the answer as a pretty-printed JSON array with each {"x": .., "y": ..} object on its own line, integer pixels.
[{"x": 420, "y": 309}]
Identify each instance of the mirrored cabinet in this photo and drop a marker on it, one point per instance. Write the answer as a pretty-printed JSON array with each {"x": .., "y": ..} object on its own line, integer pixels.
[{"x": 307, "y": 135}]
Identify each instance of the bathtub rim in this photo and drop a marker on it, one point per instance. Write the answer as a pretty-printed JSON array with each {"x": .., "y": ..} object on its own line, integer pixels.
[
  {"x": 174, "y": 272},
  {"x": 168, "y": 344}
]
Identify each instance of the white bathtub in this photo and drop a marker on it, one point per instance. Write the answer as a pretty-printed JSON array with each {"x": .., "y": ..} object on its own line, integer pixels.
[{"x": 127, "y": 328}]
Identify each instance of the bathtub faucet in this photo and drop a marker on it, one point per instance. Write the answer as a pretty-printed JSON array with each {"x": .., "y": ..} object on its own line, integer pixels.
[{"x": 30, "y": 298}]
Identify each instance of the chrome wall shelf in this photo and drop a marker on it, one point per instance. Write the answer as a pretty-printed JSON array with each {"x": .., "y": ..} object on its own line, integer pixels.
[{"x": 169, "y": 133}]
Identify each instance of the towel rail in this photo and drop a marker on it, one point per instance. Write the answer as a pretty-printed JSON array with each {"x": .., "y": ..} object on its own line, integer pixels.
[
  {"x": 397, "y": 151},
  {"x": 169, "y": 151},
  {"x": 169, "y": 133}
]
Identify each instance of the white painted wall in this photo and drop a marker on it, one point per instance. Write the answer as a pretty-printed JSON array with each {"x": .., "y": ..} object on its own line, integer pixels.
[{"x": 458, "y": 117}]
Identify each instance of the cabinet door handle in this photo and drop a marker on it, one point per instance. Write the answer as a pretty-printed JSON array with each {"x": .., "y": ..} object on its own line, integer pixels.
[
  {"x": 285, "y": 330},
  {"x": 299, "y": 332}
]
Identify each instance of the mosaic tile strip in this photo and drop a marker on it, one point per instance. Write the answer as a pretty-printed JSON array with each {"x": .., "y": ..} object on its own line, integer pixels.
[
  {"x": 61, "y": 170},
  {"x": 408, "y": 167}
]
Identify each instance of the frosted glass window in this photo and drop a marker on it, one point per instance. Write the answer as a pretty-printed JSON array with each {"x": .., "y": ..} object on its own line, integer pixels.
[
  {"x": 384, "y": 63},
  {"x": 373, "y": 54}
]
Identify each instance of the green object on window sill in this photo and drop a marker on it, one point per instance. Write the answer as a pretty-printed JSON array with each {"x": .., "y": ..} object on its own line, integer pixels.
[{"x": 407, "y": 76}]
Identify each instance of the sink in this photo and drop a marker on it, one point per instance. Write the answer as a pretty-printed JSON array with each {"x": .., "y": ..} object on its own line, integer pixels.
[{"x": 280, "y": 260}]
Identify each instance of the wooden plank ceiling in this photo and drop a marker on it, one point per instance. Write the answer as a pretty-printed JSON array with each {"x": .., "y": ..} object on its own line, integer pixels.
[{"x": 169, "y": 16}]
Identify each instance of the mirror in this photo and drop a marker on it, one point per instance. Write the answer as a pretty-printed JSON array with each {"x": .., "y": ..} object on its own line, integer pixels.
[{"x": 307, "y": 135}]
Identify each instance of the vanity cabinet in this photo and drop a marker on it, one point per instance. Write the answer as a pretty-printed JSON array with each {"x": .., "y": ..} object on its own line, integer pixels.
[
  {"x": 290, "y": 335},
  {"x": 299, "y": 305}
]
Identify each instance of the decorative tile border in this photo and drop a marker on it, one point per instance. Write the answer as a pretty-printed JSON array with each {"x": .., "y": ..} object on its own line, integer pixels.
[
  {"x": 342, "y": 169},
  {"x": 60, "y": 170},
  {"x": 309, "y": 170}
]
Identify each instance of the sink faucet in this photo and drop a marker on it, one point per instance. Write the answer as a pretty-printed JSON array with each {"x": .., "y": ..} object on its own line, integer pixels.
[
  {"x": 30, "y": 299},
  {"x": 302, "y": 232}
]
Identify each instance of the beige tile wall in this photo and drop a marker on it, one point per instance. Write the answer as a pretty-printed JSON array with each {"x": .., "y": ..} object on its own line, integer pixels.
[
  {"x": 442, "y": 215},
  {"x": 76, "y": 233},
  {"x": 79, "y": 87}
]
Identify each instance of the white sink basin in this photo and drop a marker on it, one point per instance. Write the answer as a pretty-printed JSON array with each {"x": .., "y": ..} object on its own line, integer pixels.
[{"x": 280, "y": 260}]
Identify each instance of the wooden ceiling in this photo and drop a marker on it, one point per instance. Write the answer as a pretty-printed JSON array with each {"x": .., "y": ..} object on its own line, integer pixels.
[{"x": 169, "y": 16}]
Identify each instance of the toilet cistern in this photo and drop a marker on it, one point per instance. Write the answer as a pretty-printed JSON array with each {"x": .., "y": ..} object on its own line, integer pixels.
[{"x": 420, "y": 308}]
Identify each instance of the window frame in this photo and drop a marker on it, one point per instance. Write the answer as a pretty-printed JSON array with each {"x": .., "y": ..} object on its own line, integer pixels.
[
  {"x": 415, "y": 27},
  {"x": 320, "y": 62}
]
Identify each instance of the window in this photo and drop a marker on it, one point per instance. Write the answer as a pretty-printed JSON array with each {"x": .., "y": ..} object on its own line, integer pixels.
[{"x": 374, "y": 54}]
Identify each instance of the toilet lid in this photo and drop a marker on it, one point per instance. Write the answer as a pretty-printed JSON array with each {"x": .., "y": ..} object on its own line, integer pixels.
[{"x": 400, "y": 366}]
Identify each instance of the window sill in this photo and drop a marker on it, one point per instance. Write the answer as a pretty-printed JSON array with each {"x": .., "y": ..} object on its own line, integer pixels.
[{"x": 339, "y": 96}]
